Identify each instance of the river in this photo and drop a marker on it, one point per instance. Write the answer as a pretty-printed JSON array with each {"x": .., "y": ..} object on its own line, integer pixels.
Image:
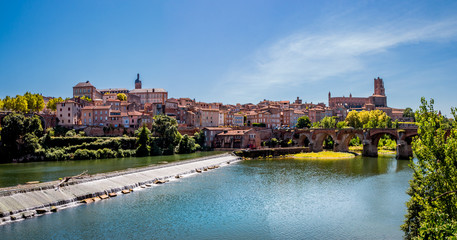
[
  {"x": 360, "y": 198},
  {"x": 12, "y": 174}
]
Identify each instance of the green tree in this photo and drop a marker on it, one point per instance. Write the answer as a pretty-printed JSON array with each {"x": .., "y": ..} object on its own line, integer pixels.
[
  {"x": 20, "y": 104},
  {"x": 30, "y": 100},
  {"x": 368, "y": 119},
  {"x": 353, "y": 119},
  {"x": 39, "y": 103},
  {"x": 19, "y": 135},
  {"x": 165, "y": 129},
  {"x": 187, "y": 145},
  {"x": 409, "y": 113},
  {"x": 143, "y": 142},
  {"x": 355, "y": 141},
  {"x": 303, "y": 122},
  {"x": 1, "y": 104},
  {"x": 341, "y": 124},
  {"x": 52, "y": 104},
  {"x": 328, "y": 122},
  {"x": 274, "y": 142},
  {"x": 85, "y": 99},
  {"x": 200, "y": 138},
  {"x": 432, "y": 208},
  {"x": 122, "y": 97},
  {"x": 8, "y": 103}
]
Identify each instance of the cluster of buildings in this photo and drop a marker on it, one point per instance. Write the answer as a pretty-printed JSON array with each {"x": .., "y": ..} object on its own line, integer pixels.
[{"x": 101, "y": 107}]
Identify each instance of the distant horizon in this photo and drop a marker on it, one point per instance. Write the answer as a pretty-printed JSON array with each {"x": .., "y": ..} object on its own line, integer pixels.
[{"x": 234, "y": 51}]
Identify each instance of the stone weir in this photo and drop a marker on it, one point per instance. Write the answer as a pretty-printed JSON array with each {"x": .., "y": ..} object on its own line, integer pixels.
[{"x": 23, "y": 203}]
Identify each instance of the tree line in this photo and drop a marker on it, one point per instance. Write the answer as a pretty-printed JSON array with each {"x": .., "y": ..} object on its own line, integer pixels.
[
  {"x": 165, "y": 138},
  {"x": 23, "y": 138},
  {"x": 354, "y": 119},
  {"x": 23, "y": 103}
]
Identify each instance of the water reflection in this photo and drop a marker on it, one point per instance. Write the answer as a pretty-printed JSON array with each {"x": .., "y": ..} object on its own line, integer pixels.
[
  {"x": 12, "y": 174},
  {"x": 359, "y": 166}
]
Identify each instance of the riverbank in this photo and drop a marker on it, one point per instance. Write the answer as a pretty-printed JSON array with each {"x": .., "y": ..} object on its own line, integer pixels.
[{"x": 28, "y": 200}]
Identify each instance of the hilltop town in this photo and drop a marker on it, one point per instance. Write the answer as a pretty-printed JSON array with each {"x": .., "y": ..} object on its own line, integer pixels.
[
  {"x": 142, "y": 104},
  {"x": 119, "y": 111}
]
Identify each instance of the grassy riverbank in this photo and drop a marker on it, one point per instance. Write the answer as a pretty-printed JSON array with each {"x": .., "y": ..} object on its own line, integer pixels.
[
  {"x": 324, "y": 155},
  {"x": 381, "y": 151}
]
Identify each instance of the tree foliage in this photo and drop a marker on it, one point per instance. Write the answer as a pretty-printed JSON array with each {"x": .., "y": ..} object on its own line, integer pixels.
[
  {"x": 303, "y": 122},
  {"x": 88, "y": 99},
  {"x": 432, "y": 208},
  {"x": 52, "y": 103},
  {"x": 187, "y": 145},
  {"x": 368, "y": 119},
  {"x": 20, "y": 135},
  {"x": 326, "y": 122},
  {"x": 143, "y": 142},
  {"x": 408, "y": 113},
  {"x": 122, "y": 97},
  {"x": 165, "y": 129},
  {"x": 27, "y": 103},
  {"x": 200, "y": 138}
]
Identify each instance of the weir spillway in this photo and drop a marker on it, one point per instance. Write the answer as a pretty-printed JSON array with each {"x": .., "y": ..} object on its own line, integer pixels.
[{"x": 20, "y": 202}]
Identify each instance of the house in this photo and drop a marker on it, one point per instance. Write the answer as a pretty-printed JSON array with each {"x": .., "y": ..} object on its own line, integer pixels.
[
  {"x": 237, "y": 139},
  {"x": 210, "y": 134},
  {"x": 68, "y": 112},
  {"x": 86, "y": 89}
]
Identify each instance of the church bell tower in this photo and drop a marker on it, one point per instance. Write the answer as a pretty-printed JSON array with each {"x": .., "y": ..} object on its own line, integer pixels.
[{"x": 138, "y": 82}]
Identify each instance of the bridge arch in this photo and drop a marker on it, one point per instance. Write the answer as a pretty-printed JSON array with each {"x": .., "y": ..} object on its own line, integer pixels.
[
  {"x": 345, "y": 138},
  {"x": 319, "y": 138},
  {"x": 304, "y": 140},
  {"x": 375, "y": 138}
]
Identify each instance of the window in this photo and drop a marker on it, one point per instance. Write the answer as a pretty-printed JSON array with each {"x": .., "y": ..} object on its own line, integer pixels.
[
  {"x": 61, "y": 109},
  {"x": 95, "y": 118},
  {"x": 84, "y": 114},
  {"x": 68, "y": 109},
  {"x": 89, "y": 114},
  {"x": 68, "y": 120},
  {"x": 69, "y": 115},
  {"x": 60, "y": 115}
]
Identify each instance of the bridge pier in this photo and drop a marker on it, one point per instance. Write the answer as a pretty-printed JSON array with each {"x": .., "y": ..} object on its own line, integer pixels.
[
  {"x": 369, "y": 149},
  {"x": 338, "y": 147},
  {"x": 404, "y": 150},
  {"x": 315, "y": 147}
]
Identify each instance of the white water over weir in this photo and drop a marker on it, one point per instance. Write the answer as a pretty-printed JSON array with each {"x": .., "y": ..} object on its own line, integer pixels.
[{"x": 23, "y": 203}]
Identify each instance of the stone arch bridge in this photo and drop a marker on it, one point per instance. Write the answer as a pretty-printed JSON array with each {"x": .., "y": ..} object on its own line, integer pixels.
[{"x": 314, "y": 138}]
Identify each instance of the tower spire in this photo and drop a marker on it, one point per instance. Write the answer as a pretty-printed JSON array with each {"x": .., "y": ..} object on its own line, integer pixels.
[{"x": 137, "y": 81}]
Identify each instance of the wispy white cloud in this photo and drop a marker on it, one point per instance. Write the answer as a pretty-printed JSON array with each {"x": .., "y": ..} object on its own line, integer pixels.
[{"x": 307, "y": 57}]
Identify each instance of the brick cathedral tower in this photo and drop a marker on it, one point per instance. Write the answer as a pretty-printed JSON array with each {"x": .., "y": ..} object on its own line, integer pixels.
[
  {"x": 379, "y": 87},
  {"x": 138, "y": 82}
]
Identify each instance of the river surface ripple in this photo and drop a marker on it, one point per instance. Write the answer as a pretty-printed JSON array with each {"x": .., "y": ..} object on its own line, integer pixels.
[{"x": 361, "y": 198}]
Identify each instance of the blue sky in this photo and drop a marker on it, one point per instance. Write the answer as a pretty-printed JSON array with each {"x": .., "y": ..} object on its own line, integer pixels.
[{"x": 233, "y": 51}]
